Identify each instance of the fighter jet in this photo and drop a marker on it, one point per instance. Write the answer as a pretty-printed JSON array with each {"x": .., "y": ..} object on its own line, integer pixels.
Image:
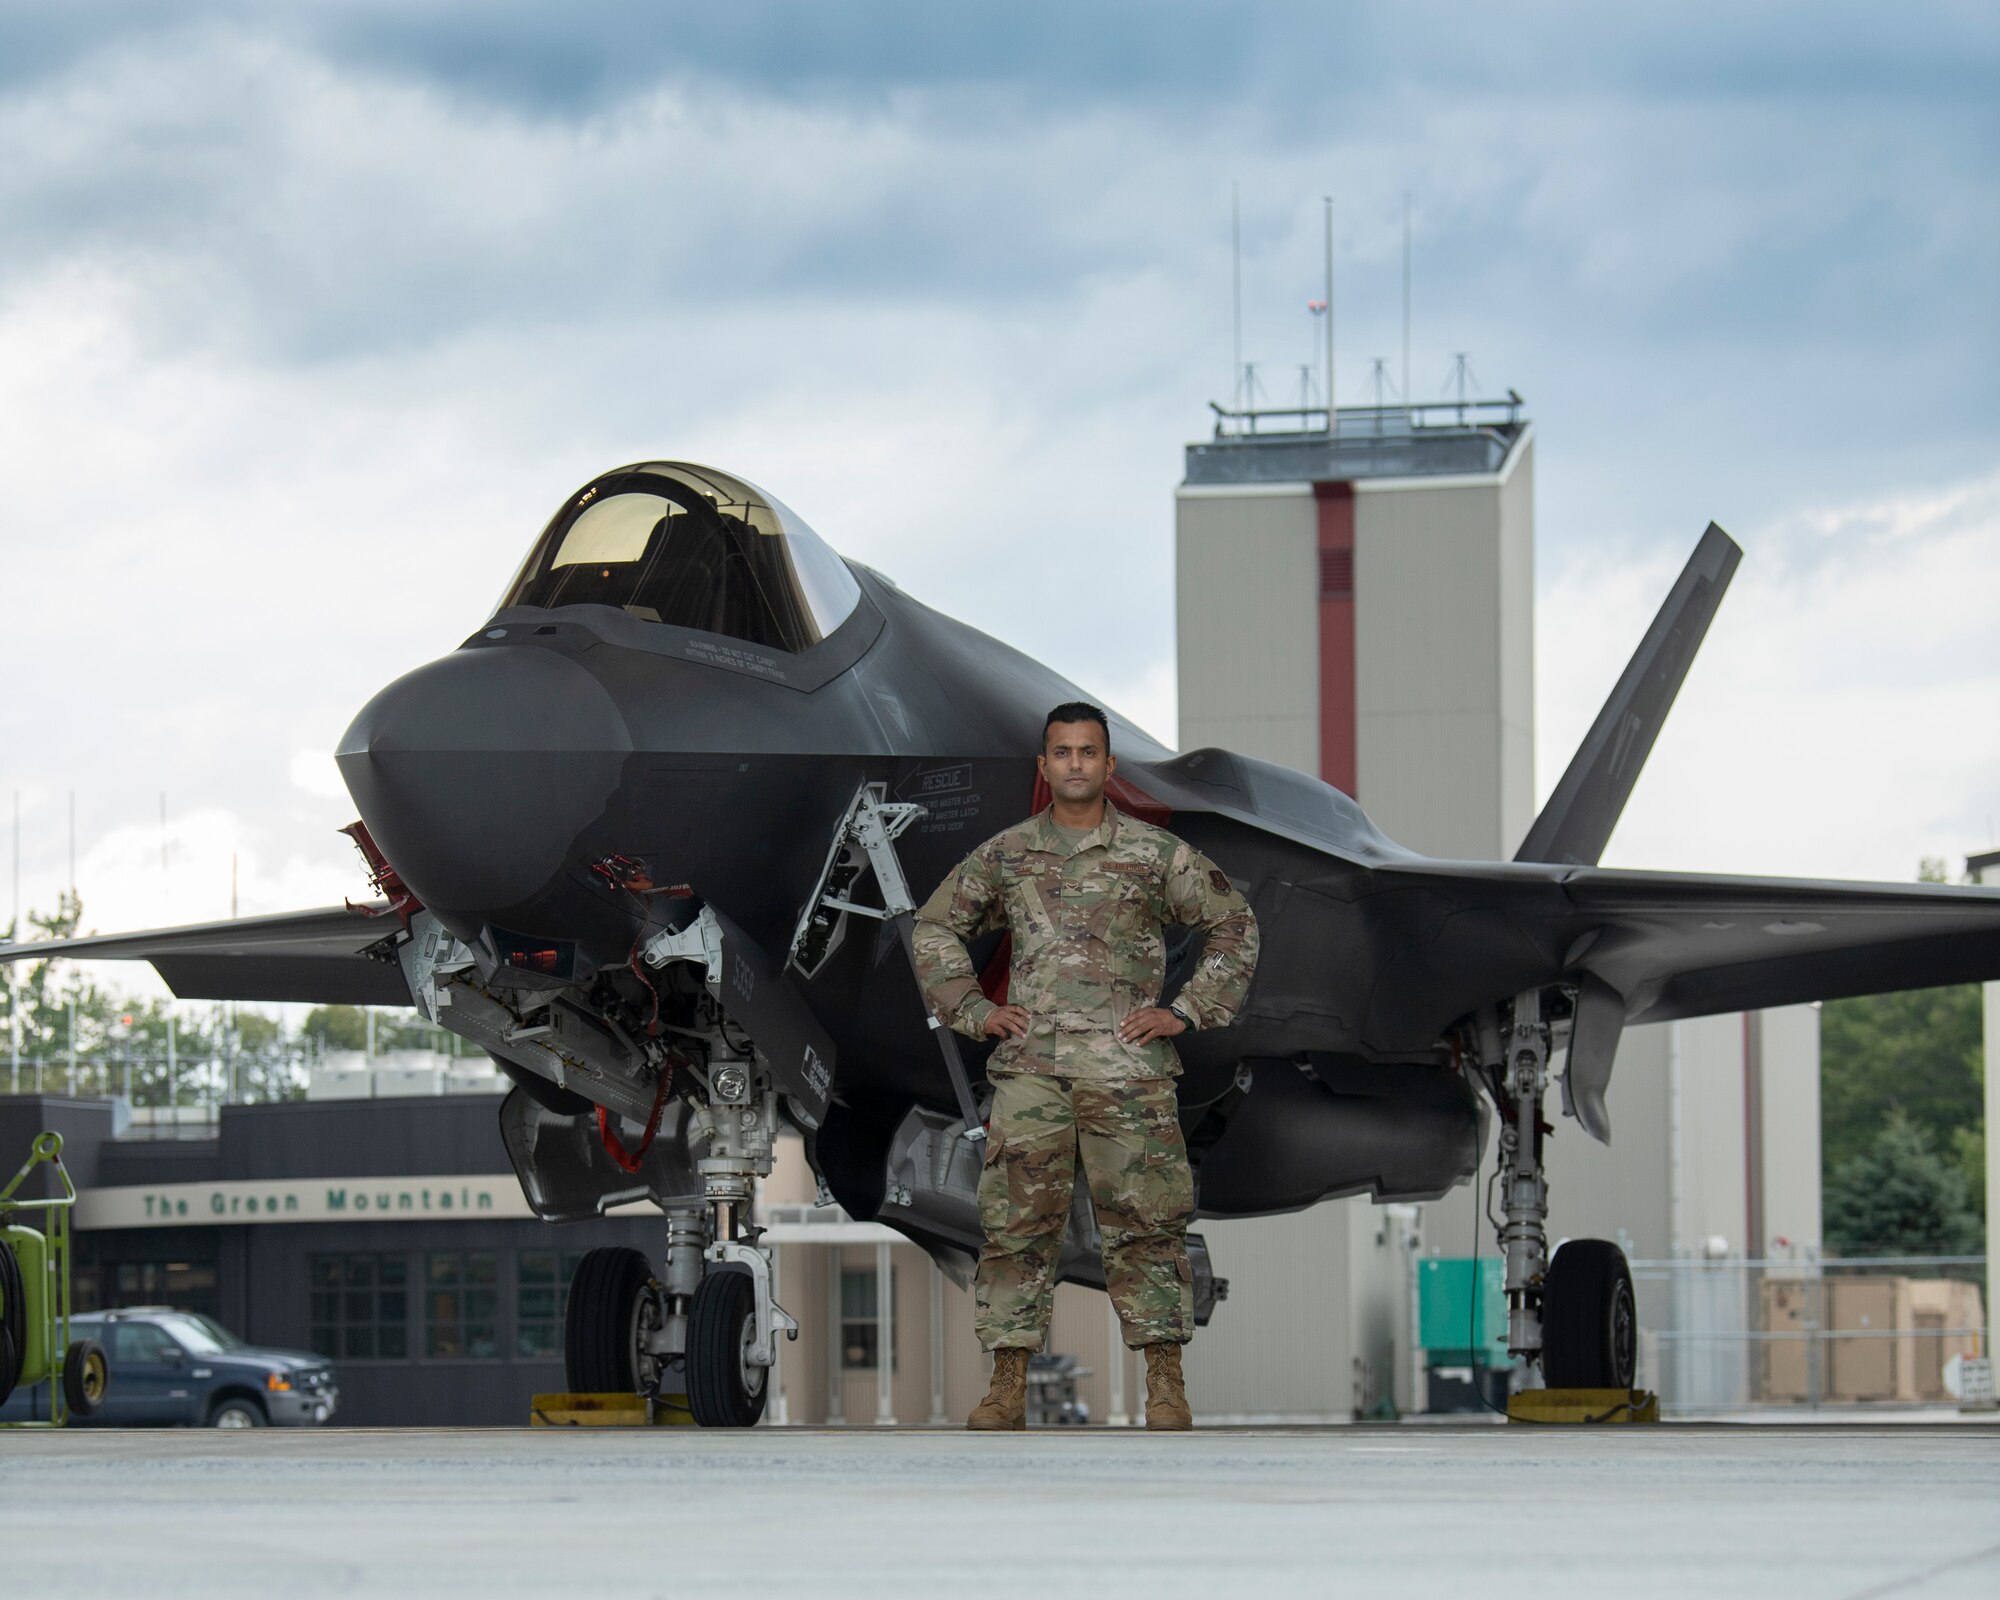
[{"x": 652, "y": 837}]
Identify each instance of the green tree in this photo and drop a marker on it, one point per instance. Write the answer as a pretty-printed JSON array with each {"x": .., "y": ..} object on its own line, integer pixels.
[
  {"x": 1918, "y": 1052},
  {"x": 50, "y": 997},
  {"x": 337, "y": 1027},
  {"x": 396, "y": 1028},
  {"x": 121, "y": 1041},
  {"x": 1899, "y": 1197}
]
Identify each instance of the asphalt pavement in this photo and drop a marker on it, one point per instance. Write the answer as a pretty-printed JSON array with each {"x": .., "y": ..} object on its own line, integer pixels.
[{"x": 1829, "y": 1513}]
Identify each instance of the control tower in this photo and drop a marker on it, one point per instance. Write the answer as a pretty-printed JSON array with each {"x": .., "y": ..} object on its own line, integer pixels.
[
  {"x": 1357, "y": 602},
  {"x": 1355, "y": 599}
]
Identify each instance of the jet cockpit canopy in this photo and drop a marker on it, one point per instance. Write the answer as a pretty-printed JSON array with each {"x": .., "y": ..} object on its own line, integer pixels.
[{"x": 668, "y": 541}]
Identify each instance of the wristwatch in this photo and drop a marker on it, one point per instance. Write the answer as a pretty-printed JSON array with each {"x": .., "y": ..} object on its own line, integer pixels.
[{"x": 1187, "y": 1021}]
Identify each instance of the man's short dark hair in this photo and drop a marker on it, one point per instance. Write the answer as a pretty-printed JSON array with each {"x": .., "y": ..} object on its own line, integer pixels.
[{"x": 1077, "y": 711}]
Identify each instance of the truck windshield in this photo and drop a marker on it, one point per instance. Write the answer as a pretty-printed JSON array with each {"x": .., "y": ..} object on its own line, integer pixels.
[
  {"x": 199, "y": 1335},
  {"x": 676, "y": 543}
]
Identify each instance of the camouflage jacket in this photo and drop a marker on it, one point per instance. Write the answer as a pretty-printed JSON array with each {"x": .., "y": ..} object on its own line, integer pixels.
[{"x": 1088, "y": 946}]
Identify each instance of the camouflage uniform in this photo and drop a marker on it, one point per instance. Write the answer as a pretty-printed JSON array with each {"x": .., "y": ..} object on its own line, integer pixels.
[{"x": 1086, "y": 920}]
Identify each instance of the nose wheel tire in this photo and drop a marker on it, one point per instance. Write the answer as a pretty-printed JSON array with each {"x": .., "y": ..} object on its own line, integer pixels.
[
  {"x": 725, "y": 1388},
  {"x": 614, "y": 1312},
  {"x": 1590, "y": 1323}
]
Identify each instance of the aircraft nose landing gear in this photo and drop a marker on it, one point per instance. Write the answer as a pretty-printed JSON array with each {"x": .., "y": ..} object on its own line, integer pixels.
[{"x": 734, "y": 1322}]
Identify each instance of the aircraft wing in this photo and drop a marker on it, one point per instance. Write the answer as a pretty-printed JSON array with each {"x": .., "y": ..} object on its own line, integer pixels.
[
  {"x": 310, "y": 956},
  {"x": 1684, "y": 945}
]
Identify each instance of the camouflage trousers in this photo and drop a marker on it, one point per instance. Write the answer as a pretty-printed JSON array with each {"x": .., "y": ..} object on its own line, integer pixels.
[{"x": 1126, "y": 1136}]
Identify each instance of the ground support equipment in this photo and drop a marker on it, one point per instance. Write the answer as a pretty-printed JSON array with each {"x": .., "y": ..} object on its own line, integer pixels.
[
  {"x": 608, "y": 1411},
  {"x": 35, "y": 1346},
  {"x": 1581, "y": 1406}
]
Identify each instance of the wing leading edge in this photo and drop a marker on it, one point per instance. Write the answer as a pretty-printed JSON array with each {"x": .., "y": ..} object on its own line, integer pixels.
[{"x": 314, "y": 957}]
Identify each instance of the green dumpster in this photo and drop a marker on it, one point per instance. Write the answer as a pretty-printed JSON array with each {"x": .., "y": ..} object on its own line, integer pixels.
[{"x": 1462, "y": 1311}]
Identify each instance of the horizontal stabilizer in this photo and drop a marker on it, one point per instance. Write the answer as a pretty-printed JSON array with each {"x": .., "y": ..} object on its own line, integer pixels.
[{"x": 1576, "y": 824}]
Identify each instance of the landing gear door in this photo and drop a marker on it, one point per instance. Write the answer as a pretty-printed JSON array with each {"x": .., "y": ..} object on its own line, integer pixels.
[
  {"x": 760, "y": 998},
  {"x": 566, "y": 1175}
]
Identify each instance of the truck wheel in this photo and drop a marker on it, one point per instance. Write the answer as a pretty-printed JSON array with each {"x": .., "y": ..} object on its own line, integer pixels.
[
  {"x": 614, "y": 1310},
  {"x": 236, "y": 1413},
  {"x": 725, "y": 1388},
  {"x": 1590, "y": 1325},
  {"x": 85, "y": 1377}
]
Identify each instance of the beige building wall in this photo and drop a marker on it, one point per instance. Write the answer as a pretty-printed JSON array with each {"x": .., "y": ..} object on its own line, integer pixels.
[
  {"x": 1316, "y": 1316},
  {"x": 1444, "y": 658},
  {"x": 1790, "y": 1141},
  {"x": 1246, "y": 611},
  {"x": 1317, "y": 1323}
]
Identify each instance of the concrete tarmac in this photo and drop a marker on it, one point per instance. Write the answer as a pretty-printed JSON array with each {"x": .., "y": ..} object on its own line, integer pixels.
[{"x": 1820, "y": 1513}]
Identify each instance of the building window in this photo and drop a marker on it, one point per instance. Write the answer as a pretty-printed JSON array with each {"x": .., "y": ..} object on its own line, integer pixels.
[
  {"x": 861, "y": 1321},
  {"x": 184, "y": 1285},
  {"x": 462, "y": 1305},
  {"x": 544, "y": 1287},
  {"x": 361, "y": 1307}
]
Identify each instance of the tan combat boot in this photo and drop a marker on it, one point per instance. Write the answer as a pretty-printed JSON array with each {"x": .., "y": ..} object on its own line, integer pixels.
[
  {"x": 1005, "y": 1408},
  {"x": 1166, "y": 1395}
]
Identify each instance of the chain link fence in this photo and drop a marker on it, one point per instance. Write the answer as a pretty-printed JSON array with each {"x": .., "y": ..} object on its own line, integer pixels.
[
  {"x": 181, "y": 1096},
  {"x": 1728, "y": 1336}
]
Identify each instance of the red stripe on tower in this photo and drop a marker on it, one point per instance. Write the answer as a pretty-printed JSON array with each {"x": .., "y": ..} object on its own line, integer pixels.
[{"x": 1334, "y": 503}]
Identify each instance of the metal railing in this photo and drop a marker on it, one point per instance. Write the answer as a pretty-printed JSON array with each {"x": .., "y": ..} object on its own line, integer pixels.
[
  {"x": 1416, "y": 417},
  {"x": 176, "y": 1096},
  {"x": 1721, "y": 1336}
]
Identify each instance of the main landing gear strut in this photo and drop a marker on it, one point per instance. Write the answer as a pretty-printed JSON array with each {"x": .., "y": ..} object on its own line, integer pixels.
[{"x": 1571, "y": 1322}]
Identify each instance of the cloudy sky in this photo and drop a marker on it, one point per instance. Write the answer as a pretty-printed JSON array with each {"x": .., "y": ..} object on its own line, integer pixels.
[{"x": 309, "y": 316}]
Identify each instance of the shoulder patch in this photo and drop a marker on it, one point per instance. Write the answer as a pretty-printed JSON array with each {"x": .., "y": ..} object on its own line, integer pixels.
[{"x": 1218, "y": 880}]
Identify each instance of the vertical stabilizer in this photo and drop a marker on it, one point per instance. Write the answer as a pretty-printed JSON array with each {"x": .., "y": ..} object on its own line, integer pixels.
[{"x": 1575, "y": 825}]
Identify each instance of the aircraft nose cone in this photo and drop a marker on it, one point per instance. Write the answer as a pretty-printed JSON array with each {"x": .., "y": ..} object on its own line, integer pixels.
[{"x": 476, "y": 774}]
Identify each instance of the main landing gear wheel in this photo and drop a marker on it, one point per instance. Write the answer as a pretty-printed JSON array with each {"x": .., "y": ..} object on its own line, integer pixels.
[
  {"x": 726, "y": 1388},
  {"x": 85, "y": 1377},
  {"x": 614, "y": 1314},
  {"x": 1590, "y": 1324}
]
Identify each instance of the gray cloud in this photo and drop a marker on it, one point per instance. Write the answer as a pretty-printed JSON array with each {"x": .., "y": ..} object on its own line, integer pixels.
[
  {"x": 1298, "y": 63},
  {"x": 313, "y": 306}
]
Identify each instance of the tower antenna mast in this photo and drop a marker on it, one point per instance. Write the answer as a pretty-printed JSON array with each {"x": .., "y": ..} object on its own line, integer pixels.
[
  {"x": 1236, "y": 288},
  {"x": 1406, "y": 296},
  {"x": 1330, "y": 425}
]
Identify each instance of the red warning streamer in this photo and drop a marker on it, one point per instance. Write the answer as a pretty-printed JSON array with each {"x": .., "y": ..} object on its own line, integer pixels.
[{"x": 614, "y": 1147}]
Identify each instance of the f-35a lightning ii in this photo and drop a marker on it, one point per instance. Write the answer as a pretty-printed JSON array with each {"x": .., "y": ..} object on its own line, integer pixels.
[{"x": 652, "y": 836}]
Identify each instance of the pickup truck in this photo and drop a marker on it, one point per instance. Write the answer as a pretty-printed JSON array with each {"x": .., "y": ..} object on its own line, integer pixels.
[{"x": 181, "y": 1369}]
